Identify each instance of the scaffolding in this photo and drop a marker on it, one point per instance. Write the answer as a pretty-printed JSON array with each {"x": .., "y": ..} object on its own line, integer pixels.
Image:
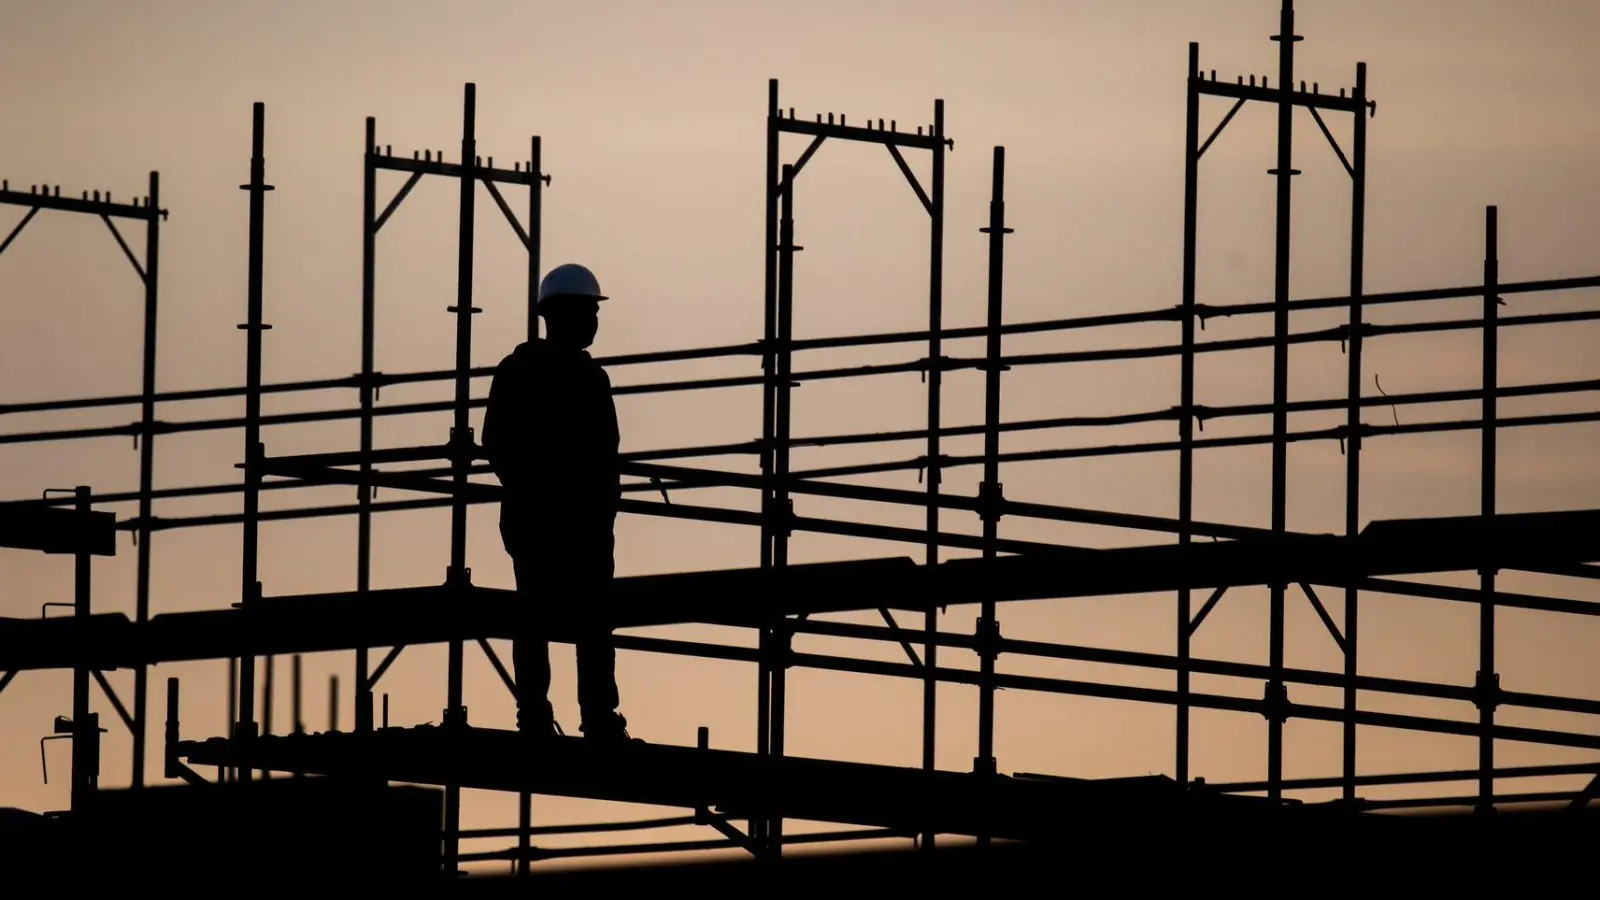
[{"x": 777, "y": 598}]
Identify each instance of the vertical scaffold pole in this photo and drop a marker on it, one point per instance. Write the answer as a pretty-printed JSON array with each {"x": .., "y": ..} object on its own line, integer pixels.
[
  {"x": 768, "y": 399},
  {"x": 461, "y": 451},
  {"x": 1191, "y": 180},
  {"x": 369, "y": 312},
  {"x": 1352, "y": 462},
  {"x": 147, "y": 466},
  {"x": 535, "y": 231},
  {"x": 930, "y": 683},
  {"x": 250, "y": 587},
  {"x": 230, "y": 773},
  {"x": 85, "y": 725},
  {"x": 1488, "y": 682},
  {"x": 991, "y": 490},
  {"x": 1276, "y": 694},
  {"x": 782, "y": 420}
]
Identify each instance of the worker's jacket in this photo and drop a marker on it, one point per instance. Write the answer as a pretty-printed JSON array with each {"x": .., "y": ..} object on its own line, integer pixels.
[{"x": 550, "y": 433}]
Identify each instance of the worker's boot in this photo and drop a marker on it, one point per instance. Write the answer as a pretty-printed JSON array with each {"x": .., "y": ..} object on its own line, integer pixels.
[
  {"x": 538, "y": 723},
  {"x": 609, "y": 727},
  {"x": 547, "y": 730}
]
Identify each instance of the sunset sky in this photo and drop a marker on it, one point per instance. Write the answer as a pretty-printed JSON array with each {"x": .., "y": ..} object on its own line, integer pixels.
[{"x": 651, "y": 116}]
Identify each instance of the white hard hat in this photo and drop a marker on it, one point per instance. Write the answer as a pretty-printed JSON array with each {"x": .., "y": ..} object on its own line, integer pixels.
[{"x": 570, "y": 280}]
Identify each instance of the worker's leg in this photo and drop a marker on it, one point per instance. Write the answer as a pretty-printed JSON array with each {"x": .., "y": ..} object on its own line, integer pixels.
[
  {"x": 597, "y": 655},
  {"x": 597, "y": 677},
  {"x": 530, "y": 663}
]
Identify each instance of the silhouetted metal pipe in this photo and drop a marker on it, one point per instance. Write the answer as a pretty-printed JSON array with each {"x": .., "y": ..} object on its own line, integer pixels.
[
  {"x": 754, "y": 447},
  {"x": 1324, "y": 434},
  {"x": 147, "y": 464},
  {"x": 1488, "y": 679},
  {"x": 1005, "y": 681},
  {"x": 535, "y": 237},
  {"x": 778, "y": 637},
  {"x": 990, "y": 489},
  {"x": 769, "y": 320},
  {"x": 1395, "y": 778},
  {"x": 250, "y": 587},
  {"x": 1284, "y": 172},
  {"x": 85, "y": 728},
  {"x": 951, "y": 364},
  {"x": 930, "y": 685},
  {"x": 364, "y": 490},
  {"x": 460, "y": 440},
  {"x": 1185, "y": 411},
  {"x": 1138, "y": 659},
  {"x": 1352, "y": 482}
]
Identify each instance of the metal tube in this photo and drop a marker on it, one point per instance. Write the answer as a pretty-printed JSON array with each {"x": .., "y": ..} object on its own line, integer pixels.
[
  {"x": 233, "y": 707},
  {"x": 1191, "y": 181},
  {"x": 782, "y": 419},
  {"x": 535, "y": 230},
  {"x": 147, "y": 458},
  {"x": 749, "y": 349},
  {"x": 1488, "y": 680},
  {"x": 1417, "y": 296},
  {"x": 1321, "y": 434},
  {"x": 1137, "y": 659},
  {"x": 461, "y": 444},
  {"x": 586, "y": 827},
  {"x": 1352, "y": 471},
  {"x": 930, "y": 685},
  {"x": 769, "y": 318},
  {"x": 85, "y": 731},
  {"x": 1414, "y": 777},
  {"x": 1341, "y": 402},
  {"x": 1322, "y": 336},
  {"x": 297, "y": 725},
  {"x": 806, "y": 481},
  {"x": 369, "y": 313},
  {"x": 1280, "y": 377},
  {"x": 988, "y": 623},
  {"x": 1006, "y": 681},
  {"x": 250, "y": 587},
  {"x": 782, "y": 394},
  {"x": 268, "y": 668},
  {"x": 535, "y": 236}
]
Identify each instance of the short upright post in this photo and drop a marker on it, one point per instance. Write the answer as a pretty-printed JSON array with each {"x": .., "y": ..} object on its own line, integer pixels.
[{"x": 85, "y": 725}]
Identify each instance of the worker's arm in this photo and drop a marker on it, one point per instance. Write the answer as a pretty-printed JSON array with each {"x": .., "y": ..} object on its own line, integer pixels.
[
  {"x": 498, "y": 421},
  {"x": 615, "y": 462}
]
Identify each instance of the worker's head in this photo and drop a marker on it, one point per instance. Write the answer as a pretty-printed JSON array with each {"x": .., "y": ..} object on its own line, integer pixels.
[
  {"x": 570, "y": 321},
  {"x": 569, "y": 302}
]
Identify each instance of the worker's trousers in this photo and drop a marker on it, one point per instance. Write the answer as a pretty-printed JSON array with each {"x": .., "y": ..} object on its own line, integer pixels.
[{"x": 547, "y": 580}]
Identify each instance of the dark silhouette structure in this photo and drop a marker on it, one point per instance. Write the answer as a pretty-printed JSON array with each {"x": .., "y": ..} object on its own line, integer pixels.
[
  {"x": 746, "y": 797},
  {"x": 550, "y": 433}
]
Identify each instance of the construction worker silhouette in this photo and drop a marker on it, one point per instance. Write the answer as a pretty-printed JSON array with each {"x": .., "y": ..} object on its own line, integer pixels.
[{"x": 550, "y": 433}]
